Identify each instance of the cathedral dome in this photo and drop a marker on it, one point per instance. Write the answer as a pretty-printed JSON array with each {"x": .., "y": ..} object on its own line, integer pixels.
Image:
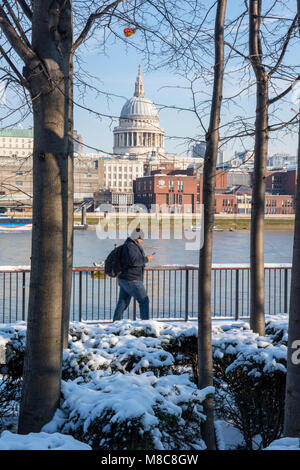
[
  {"x": 139, "y": 106},
  {"x": 138, "y": 132}
]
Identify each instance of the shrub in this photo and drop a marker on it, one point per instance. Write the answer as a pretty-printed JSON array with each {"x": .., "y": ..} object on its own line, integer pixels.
[
  {"x": 184, "y": 349},
  {"x": 132, "y": 412},
  {"x": 10, "y": 394},
  {"x": 14, "y": 357},
  {"x": 250, "y": 377}
]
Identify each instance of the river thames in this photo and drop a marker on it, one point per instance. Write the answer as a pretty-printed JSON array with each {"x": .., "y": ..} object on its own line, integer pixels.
[{"x": 229, "y": 247}]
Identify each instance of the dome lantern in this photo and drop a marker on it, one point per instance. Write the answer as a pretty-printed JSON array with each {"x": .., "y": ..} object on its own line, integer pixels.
[{"x": 139, "y": 85}]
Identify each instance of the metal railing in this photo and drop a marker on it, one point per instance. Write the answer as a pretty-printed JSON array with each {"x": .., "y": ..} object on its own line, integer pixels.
[{"x": 172, "y": 291}]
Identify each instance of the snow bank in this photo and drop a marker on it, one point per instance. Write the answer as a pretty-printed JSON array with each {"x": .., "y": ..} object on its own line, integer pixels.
[
  {"x": 40, "y": 441},
  {"x": 285, "y": 443}
]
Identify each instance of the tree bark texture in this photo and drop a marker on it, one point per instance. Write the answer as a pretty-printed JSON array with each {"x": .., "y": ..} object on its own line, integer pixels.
[
  {"x": 292, "y": 397},
  {"x": 205, "y": 261},
  {"x": 69, "y": 209},
  {"x": 51, "y": 259},
  {"x": 257, "y": 293}
]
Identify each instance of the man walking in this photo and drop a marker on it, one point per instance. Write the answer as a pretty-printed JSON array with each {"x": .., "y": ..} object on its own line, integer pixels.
[{"x": 130, "y": 280}]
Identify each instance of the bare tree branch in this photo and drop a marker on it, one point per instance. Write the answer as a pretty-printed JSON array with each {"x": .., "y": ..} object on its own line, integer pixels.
[
  {"x": 284, "y": 47},
  {"x": 285, "y": 92},
  {"x": 13, "y": 67},
  {"x": 91, "y": 21},
  {"x": 16, "y": 22},
  {"x": 24, "y": 52},
  {"x": 26, "y": 9}
]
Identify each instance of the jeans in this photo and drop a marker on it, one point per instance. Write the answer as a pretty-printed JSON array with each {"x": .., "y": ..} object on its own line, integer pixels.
[{"x": 136, "y": 290}]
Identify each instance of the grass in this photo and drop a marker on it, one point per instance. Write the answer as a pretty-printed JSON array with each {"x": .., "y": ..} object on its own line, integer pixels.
[
  {"x": 244, "y": 224},
  {"x": 234, "y": 223}
]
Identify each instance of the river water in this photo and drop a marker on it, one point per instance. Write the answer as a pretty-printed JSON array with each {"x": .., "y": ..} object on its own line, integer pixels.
[
  {"x": 229, "y": 247},
  {"x": 172, "y": 293}
]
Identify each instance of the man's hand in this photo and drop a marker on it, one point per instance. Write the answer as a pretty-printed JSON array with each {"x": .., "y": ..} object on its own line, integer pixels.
[{"x": 149, "y": 257}]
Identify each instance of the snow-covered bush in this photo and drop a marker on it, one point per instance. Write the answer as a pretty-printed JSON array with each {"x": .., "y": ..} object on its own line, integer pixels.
[
  {"x": 115, "y": 349},
  {"x": 15, "y": 339},
  {"x": 12, "y": 340},
  {"x": 110, "y": 368},
  {"x": 10, "y": 393},
  {"x": 277, "y": 329},
  {"x": 184, "y": 349},
  {"x": 132, "y": 412},
  {"x": 250, "y": 373}
]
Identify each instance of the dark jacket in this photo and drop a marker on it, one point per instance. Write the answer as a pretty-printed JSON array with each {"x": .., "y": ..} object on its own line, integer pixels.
[{"x": 133, "y": 261}]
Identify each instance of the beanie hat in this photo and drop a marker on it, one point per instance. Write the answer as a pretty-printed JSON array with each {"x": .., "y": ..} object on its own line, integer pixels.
[{"x": 137, "y": 233}]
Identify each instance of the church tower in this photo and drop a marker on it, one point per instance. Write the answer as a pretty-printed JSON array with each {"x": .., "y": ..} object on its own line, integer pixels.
[{"x": 138, "y": 133}]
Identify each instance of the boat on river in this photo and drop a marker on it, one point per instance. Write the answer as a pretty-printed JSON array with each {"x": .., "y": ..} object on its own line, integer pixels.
[
  {"x": 15, "y": 224},
  {"x": 196, "y": 228},
  {"x": 21, "y": 224}
]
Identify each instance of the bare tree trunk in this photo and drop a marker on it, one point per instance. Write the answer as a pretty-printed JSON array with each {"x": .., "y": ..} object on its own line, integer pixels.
[
  {"x": 205, "y": 261},
  {"x": 292, "y": 397},
  {"x": 69, "y": 210},
  {"x": 257, "y": 316},
  {"x": 49, "y": 285}
]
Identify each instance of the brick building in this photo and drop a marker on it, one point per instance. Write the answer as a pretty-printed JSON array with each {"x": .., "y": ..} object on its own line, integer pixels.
[
  {"x": 282, "y": 182},
  {"x": 221, "y": 183},
  {"x": 282, "y": 204},
  {"x": 228, "y": 203},
  {"x": 177, "y": 193}
]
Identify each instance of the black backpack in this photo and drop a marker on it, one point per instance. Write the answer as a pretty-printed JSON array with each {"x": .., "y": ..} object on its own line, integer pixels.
[{"x": 113, "y": 264}]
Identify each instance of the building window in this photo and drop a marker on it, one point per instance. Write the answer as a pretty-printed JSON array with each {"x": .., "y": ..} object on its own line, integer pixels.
[
  {"x": 170, "y": 198},
  {"x": 19, "y": 183},
  {"x": 19, "y": 173}
]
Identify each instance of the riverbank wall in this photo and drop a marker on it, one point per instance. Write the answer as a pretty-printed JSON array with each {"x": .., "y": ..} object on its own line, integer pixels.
[{"x": 225, "y": 222}]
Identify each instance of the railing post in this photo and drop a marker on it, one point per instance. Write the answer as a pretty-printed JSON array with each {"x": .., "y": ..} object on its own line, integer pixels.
[
  {"x": 237, "y": 294},
  {"x": 134, "y": 309},
  {"x": 186, "y": 295},
  {"x": 23, "y": 296},
  {"x": 80, "y": 296},
  {"x": 285, "y": 291}
]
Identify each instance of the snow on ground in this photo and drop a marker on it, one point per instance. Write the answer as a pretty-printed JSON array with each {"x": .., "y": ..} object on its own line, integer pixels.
[
  {"x": 40, "y": 441},
  {"x": 285, "y": 443},
  {"x": 228, "y": 437},
  {"x": 109, "y": 345}
]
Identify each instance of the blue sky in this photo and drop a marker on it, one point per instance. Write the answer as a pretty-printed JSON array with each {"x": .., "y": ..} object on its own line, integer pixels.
[
  {"x": 118, "y": 77},
  {"x": 116, "y": 72}
]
